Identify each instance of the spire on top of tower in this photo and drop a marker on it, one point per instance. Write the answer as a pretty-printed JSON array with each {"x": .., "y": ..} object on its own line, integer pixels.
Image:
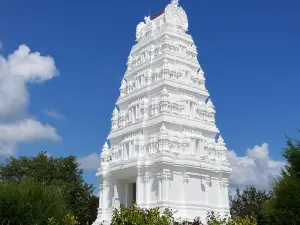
[{"x": 175, "y": 2}]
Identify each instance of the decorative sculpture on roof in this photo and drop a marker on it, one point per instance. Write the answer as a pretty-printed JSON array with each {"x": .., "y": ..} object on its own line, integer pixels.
[
  {"x": 175, "y": 2},
  {"x": 139, "y": 30},
  {"x": 147, "y": 19},
  {"x": 176, "y": 15},
  {"x": 172, "y": 15}
]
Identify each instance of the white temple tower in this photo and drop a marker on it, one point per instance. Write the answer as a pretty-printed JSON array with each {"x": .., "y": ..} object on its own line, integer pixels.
[{"x": 165, "y": 149}]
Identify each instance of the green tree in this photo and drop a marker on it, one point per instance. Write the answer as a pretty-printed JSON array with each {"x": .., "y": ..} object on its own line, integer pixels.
[
  {"x": 62, "y": 172},
  {"x": 284, "y": 206},
  {"x": 248, "y": 202},
  {"x": 135, "y": 215},
  {"x": 31, "y": 203},
  {"x": 215, "y": 219},
  {"x": 93, "y": 208}
]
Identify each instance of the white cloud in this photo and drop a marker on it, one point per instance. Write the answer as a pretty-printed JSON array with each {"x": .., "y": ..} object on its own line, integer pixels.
[
  {"x": 31, "y": 66},
  {"x": 7, "y": 148},
  {"x": 53, "y": 113},
  {"x": 256, "y": 168},
  {"x": 27, "y": 130},
  {"x": 16, "y": 71},
  {"x": 90, "y": 162}
]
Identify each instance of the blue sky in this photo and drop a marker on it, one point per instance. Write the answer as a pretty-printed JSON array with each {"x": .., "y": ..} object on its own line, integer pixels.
[{"x": 249, "y": 51}]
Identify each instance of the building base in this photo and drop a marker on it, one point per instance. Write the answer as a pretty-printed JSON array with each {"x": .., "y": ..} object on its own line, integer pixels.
[{"x": 190, "y": 191}]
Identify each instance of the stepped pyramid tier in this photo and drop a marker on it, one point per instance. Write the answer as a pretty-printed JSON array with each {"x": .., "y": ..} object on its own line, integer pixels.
[{"x": 164, "y": 147}]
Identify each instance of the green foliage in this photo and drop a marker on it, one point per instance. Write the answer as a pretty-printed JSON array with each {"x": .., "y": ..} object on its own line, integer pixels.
[
  {"x": 215, "y": 219},
  {"x": 63, "y": 172},
  {"x": 30, "y": 203},
  {"x": 248, "y": 202},
  {"x": 247, "y": 220},
  {"x": 284, "y": 206},
  {"x": 93, "y": 209},
  {"x": 134, "y": 215},
  {"x": 66, "y": 220},
  {"x": 137, "y": 216},
  {"x": 292, "y": 155}
]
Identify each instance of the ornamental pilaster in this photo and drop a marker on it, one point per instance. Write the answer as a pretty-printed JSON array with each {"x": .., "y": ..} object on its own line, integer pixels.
[
  {"x": 139, "y": 189},
  {"x": 185, "y": 178},
  {"x": 206, "y": 179},
  {"x": 224, "y": 198},
  {"x": 166, "y": 177},
  {"x": 115, "y": 153},
  {"x": 140, "y": 150},
  {"x": 224, "y": 183},
  {"x": 145, "y": 179},
  {"x": 104, "y": 194},
  {"x": 103, "y": 186},
  {"x": 146, "y": 184},
  {"x": 163, "y": 144}
]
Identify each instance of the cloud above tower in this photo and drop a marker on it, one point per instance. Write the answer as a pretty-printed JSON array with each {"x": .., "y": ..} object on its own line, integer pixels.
[{"x": 17, "y": 70}]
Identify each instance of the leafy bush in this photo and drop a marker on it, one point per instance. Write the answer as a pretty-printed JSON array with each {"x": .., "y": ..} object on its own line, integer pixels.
[
  {"x": 284, "y": 206},
  {"x": 66, "y": 220},
  {"x": 62, "y": 172},
  {"x": 31, "y": 203},
  {"x": 215, "y": 219},
  {"x": 248, "y": 202},
  {"x": 135, "y": 215}
]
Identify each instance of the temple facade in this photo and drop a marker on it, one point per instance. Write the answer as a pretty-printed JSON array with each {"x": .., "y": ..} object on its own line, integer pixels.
[{"x": 165, "y": 149}]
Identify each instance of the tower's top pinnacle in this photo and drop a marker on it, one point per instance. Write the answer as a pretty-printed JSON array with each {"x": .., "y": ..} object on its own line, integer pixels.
[
  {"x": 173, "y": 17},
  {"x": 175, "y": 2}
]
